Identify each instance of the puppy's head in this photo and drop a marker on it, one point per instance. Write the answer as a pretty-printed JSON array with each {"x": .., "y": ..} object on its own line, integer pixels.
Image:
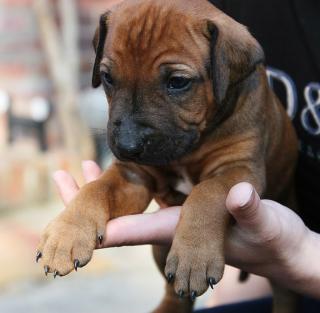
[{"x": 167, "y": 68}]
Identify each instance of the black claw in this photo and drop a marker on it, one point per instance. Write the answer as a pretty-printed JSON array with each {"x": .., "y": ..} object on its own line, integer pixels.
[
  {"x": 38, "y": 256},
  {"x": 46, "y": 269},
  {"x": 100, "y": 239},
  {"x": 211, "y": 282},
  {"x": 170, "y": 278},
  {"x": 193, "y": 295},
  {"x": 55, "y": 273},
  {"x": 181, "y": 294},
  {"x": 243, "y": 276},
  {"x": 76, "y": 264}
]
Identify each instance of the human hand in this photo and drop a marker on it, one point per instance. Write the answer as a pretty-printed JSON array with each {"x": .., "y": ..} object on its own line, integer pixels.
[
  {"x": 267, "y": 239},
  {"x": 271, "y": 240}
]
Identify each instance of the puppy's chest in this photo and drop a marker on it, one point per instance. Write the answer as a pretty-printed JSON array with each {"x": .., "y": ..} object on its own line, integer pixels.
[{"x": 182, "y": 182}]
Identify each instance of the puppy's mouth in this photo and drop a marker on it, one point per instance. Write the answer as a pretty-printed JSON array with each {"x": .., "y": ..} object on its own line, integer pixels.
[{"x": 157, "y": 150}]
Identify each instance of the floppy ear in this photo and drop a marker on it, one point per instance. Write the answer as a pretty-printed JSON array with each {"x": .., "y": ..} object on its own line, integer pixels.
[
  {"x": 234, "y": 55},
  {"x": 98, "y": 45}
]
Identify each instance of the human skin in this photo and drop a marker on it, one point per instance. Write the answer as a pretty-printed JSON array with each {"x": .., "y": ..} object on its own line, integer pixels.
[{"x": 267, "y": 238}]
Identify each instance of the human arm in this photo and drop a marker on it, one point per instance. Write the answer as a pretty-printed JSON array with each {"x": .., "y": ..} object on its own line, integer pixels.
[{"x": 267, "y": 239}]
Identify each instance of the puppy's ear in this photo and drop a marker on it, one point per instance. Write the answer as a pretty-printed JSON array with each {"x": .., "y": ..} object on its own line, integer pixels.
[
  {"x": 98, "y": 45},
  {"x": 234, "y": 54}
]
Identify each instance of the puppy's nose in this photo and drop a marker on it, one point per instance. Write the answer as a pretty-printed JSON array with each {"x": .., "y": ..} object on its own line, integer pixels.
[
  {"x": 129, "y": 148},
  {"x": 128, "y": 138}
]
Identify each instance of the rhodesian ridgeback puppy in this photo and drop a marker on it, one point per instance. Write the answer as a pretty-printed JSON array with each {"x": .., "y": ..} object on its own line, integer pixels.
[{"x": 189, "y": 101}]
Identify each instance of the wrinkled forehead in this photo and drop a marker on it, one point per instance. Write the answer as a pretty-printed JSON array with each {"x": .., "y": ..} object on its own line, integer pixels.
[{"x": 149, "y": 35}]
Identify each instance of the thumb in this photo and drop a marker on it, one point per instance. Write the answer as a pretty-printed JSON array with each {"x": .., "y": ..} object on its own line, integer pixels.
[{"x": 245, "y": 205}]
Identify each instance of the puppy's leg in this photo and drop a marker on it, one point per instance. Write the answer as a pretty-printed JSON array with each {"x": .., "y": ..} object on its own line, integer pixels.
[
  {"x": 69, "y": 240},
  {"x": 170, "y": 303},
  {"x": 196, "y": 258}
]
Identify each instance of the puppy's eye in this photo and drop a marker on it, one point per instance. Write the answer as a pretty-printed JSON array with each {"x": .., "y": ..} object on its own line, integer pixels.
[
  {"x": 178, "y": 83},
  {"x": 107, "y": 79}
]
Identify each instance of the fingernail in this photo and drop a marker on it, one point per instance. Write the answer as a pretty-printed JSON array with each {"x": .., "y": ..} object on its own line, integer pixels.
[
  {"x": 56, "y": 175},
  {"x": 85, "y": 162},
  {"x": 247, "y": 198}
]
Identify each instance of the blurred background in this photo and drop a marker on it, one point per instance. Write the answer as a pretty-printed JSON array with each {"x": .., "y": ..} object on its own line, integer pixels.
[{"x": 51, "y": 118}]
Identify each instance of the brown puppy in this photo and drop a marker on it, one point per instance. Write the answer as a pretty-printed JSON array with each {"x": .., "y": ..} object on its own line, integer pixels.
[{"x": 189, "y": 101}]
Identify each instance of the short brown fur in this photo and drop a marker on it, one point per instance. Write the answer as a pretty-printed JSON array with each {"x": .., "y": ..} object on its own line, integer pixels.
[{"x": 242, "y": 134}]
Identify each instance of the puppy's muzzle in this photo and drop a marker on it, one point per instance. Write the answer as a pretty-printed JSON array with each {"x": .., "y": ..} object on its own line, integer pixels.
[
  {"x": 137, "y": 141},
  {"x": 131, "y": 140}
]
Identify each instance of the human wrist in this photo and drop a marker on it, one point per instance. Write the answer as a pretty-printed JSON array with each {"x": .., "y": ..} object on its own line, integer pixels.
[
  {"x": 308, "y": 274},
  {"x": 302, "y": 269}
]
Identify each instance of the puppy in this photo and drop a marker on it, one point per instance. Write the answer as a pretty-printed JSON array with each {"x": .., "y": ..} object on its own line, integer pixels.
[{"x": 189, "y": 101}]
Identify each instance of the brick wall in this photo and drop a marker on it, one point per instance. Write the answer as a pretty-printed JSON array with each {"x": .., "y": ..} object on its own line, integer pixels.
[
  {"x": 24, "y": 171},
  {"x": 23, "y": 70}
]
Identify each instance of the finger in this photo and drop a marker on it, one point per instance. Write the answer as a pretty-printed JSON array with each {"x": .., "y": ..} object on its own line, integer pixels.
[
  {"x": 140, "y": 229},
  {"x": 66, "y": 185},
  {"x": 244, "y": 204},
  {"x": 91, "y": 170}
]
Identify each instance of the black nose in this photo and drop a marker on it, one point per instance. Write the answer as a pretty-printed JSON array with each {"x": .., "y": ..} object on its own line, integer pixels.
[
  {"x": 129, "y": 149},
  {"x": 128, "y": 138}
]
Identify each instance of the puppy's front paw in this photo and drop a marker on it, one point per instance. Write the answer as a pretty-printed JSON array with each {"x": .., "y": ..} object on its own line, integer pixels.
[
  {"x": 68, "y": 241},
  {"x": 193, "y": 267}
]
